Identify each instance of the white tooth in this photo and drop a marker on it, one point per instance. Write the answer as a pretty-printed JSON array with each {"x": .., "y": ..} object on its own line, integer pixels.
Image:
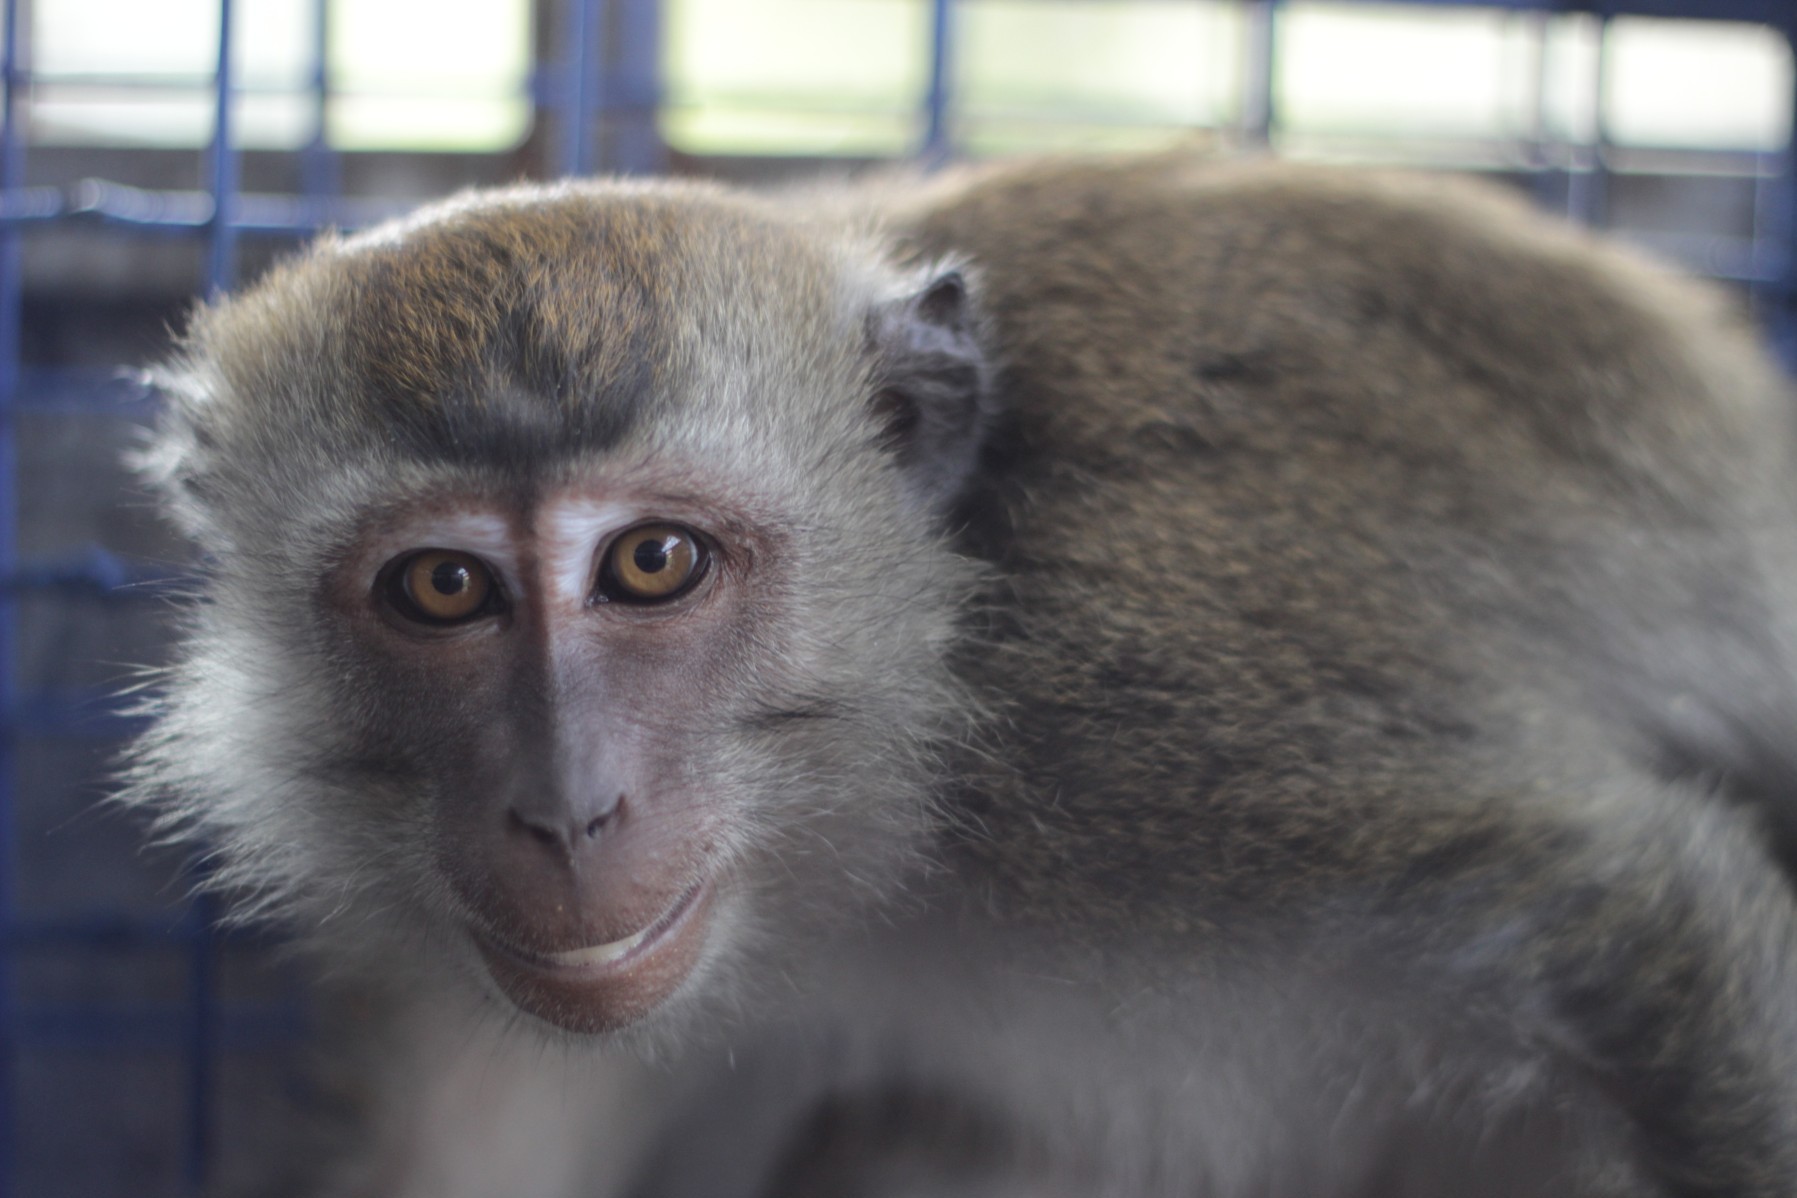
[{"x": 598, "y": 954}]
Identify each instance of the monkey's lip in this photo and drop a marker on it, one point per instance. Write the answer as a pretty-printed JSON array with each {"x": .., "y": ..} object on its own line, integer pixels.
[
  {"x": 602, "y": 987},
  {"x": 614, "y": 953}
]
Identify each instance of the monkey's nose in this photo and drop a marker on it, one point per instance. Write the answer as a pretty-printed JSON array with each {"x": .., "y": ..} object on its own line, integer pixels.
[{"x": 564, "y": 826}]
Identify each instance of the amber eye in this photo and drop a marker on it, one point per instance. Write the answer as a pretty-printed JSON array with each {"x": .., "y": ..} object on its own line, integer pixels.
[
  {"x": 441, "y": 586},
  {"x": 651, "y": 563}
]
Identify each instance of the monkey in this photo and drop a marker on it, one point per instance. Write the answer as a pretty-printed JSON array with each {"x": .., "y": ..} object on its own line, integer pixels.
[{"x": 1129, "y": 677}]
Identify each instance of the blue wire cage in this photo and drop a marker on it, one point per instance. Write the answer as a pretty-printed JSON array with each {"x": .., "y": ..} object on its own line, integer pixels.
[{"x": 131, "y": 1085}]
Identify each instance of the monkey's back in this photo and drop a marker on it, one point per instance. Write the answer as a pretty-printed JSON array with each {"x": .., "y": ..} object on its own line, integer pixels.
[{"x": 1398, "y": 490}]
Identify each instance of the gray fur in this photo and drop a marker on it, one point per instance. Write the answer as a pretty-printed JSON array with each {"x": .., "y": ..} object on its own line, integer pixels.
[{"x": 1305, "y": 711}]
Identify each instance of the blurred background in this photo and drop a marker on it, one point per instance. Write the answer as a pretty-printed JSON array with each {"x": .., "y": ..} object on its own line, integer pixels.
[{"x": 155, "y": 152}]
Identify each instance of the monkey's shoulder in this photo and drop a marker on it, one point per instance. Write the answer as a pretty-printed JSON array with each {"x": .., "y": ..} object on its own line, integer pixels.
[{"x": 1275, "y": 302}]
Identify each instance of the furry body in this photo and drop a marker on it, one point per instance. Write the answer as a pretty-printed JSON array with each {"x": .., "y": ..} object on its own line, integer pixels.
[{"x": 1283, "y": 689}]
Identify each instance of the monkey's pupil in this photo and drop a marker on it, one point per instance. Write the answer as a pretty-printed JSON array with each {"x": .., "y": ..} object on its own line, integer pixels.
[
  {"x": 651, "y": 557},
  {"x": 450, "y": 579}
]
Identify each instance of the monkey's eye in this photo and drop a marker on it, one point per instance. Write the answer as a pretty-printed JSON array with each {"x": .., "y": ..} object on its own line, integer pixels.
[
  {"x": 651, "y": 563},
  {"x": 441, "y": 586}
]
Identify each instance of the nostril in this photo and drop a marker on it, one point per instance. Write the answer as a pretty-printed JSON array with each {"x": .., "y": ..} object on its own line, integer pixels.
[
  {"x": 542, "y": 834},
  {"x": 604, "y": 817}
]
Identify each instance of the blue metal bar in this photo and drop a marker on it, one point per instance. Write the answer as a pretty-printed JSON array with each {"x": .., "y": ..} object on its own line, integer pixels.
[
  {"x": 74, "y": 715},
  {"x": 1535, "y": 141},
  {"x": 223, "y": 165},
  {"x": 172, "y": 82},
  {"x": 637, "y": 147},
  {"x": 937, "y": 136},
  {"x": 187, "y": 212},
  {"x": 158, "y": 1025},
  {"x": 190, "y": 211},
  {"x": 320, "y": 170},
  {"x": 12, "y": 286},
  {"x": 115, "y": 203},
  {"x": 579, "y": 95},
  {"x": 93, "y": 569},
  {"x": 202, "y": 1038},
  {"x": 27, "y": 204},
  {"x": 110, "y": 929},
  {"x": 1768, "y": 214},
  {"x": 221, "y": 268},
  {"x": 1259, "y": 60},
  {"x": 1781, "y": 224},
  {"x": 1588, "y": 184},
  {"x": 75, "y": 392}
]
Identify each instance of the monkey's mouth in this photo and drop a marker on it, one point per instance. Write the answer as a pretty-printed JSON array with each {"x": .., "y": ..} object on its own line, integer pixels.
[
  {"x": 617, "y": 953},
  {"x": 603, "y": 987}
]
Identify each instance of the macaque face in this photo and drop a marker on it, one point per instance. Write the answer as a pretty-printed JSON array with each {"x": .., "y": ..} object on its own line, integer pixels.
[
  {"x": 556, "y": 672},
  {"x": 590, "y": 731},
  {"x": 575, "y": 607}
]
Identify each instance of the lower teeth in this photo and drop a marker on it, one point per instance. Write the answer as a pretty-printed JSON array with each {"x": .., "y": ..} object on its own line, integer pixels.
[{"x": 597, "y": 954}]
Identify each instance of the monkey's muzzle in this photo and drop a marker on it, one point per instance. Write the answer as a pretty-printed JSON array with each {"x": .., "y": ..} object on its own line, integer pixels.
[{"x": 602, "y": 987}]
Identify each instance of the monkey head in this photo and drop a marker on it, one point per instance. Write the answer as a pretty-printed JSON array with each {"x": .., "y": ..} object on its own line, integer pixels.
[{"x": 576, "y": 592}]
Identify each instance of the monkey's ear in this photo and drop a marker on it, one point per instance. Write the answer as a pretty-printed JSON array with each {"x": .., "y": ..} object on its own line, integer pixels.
[
  {"x": 168, "y": 459},
  {"x": 932, "y": 386}
]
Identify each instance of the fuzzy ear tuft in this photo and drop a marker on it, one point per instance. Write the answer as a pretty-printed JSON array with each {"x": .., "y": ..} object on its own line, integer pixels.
[
  {"x": 167, "y": 457},
  {"x": 944, "y": 302},
  {"x": 932, "y": 389}
]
